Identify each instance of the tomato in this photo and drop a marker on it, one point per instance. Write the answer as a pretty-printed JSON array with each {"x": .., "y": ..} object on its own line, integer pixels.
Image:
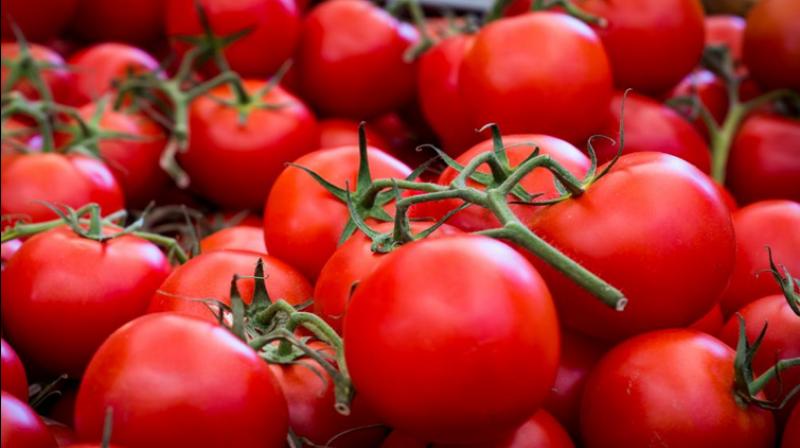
[
  {"x": 309, "y": 391},
  {"x": 248, "y": 154},
  {"x": 38, "y": 20},
  {"x": 352, "y": 262},
  {"x": 764, "y": 160},
  {"x": 765, "y": 223},
  {"x": 99, "y": 66},
  {"x": 80, "y": 291},
  {"x": 178, "y": 381},
  {"x": 14, "y": 380},
  {"x": 350, "y": 59},
  {"x": 672, "y": 388},
  {"x": 241, "y": 237},
  {"x": 651, "y": 126},
  {"x": 653, "y": 216},
  {"x": 19, "y": 136},
  {"x": 771, "y": 48},
  {"x": 560, "y": 94},
  {"x": 63, "y": 434},
  {"x": 519, "y": 147},
  {"x": 57, "y": 77},
  {"x": 438, "y": 94},
  {"x": 9, "y": 248},
  {"x": 98, "y": 20},
  {"x": 134, "y": 160},
  {"x": 21, "y": 427},
  {"x": 727, "y": 30},
  {"x": 29, "y": 178},
  {"x": 791, "y": 433},
  {"x": 335, "y": 132},
  {"x": 274, "y": 30},
  {"x": 209, "y": 275},
  {"x": 302, "y": 221},
  {"x": 711, "y": 323},
  {"x": 405, "y": 332}
]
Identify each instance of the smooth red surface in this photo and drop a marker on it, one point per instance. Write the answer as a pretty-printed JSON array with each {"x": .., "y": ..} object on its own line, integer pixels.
[
  {"x": 711, "y": 323},
  {"x": 335, "y": 132},
  {"x": 772, "y": 43},
  {"x": 21, "y": 426},
  {"x": 96, "y": 68},
  {"x": 58, "y": 79},
  {"x": 140, "y": 22},
  {"x": 239, "y": 237},
  {"x": 12, "y": 373},
  {"x": 29, "y": 17},
  {"x": 726, "y": 30}
]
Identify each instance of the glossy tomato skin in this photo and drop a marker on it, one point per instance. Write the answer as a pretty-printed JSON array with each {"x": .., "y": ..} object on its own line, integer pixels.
[
  {"x": 141, "y": 22},
  {"x": 335, "y": 132},
  {"x": 438, "y": 94},
  {"x": 274, "y": 24},
  {"x": 674, "y": 388},
  {"x": 213, "y": 390},
  {"x": 21, "y": 426},
  {"x": 302, "y": 221},
  {"x": 239, "y": 237},
  {"x": 97, "y": 288},
  {"x": 250, "y": 155},
  {"x": 727, "y": 30},
  {"x": 623, "y": 230},
  {"x": 771, "y": 48},
  {"x": 791, "y": 433},
  {"x": 764, "y": 161},
  {"x": 766, "y": 223},
  {"x": 518, "y": 148},
  {"x": 14, "y": 380},
  {"x": 209, "y": 275},
  {"x": 99, "y": 66},
  {"x": 38, "y": 20},
  {"x": 711, "y": 323},
  {"x": 651, "y": 126},
  {"x": 352, "y": 262},
  {"x": 27, "y": 178},
  {"x": 652, "y": 44},
  {"x": 559, "y": 95},
  {"x": 350, "y": 59},
  {"x": 408, "y": 323},
  {"x": 58, "y": 78}
]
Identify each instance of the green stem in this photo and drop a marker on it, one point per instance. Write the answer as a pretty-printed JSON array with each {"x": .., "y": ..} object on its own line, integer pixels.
[
  {"x": 758, "y": 384},
  {"x": 166, "y": 242}
]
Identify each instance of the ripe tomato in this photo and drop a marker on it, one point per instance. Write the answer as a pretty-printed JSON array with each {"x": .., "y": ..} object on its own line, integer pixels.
[
  {"x": 791, "y": 432},
  {"x": 80, "y": 291},
  {"x": 302, "y": 221},
  {"x": 241, "y": 237},
  {"x": 28, "y": 178},
  {"x": 248, "y": 154},
  {"x": 350, "y": 59},
  {"x": 38, "y": 20},
  {"x": 21, "y": 426},
  {"x": 560, "y": 94},
  {"x": 764, "y": 160},
  {"x": 673, "y": 388},
  {"x": 14, "y": 380},
  {"x": 772, "y": 43},
  {"x": 711, "y": 323},
  {"x": 765, "y": 223},
  {"x": 335, "y": 132},
  {"x": 17, "y": 134},
  {"x": 98, "y": 20},
  {"x": 652, "y": 44},
  {"x": 726, "y": 30},
  {"x": 65, "y": 436},
  {"x": 405, "y": 332},
  {"x": 98, "y": 67},
  {"x": 651, "y": 126},
  {"x": 625, "y": 230},
  {"x": 212, "y": 390},
  {"x": 209, "y": 275},
  {"x": 57, "y": 77},
  {"x": 274, "y": 30}
]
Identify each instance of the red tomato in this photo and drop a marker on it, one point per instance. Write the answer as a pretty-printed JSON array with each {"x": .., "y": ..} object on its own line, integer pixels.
[
  {"x": 234, "y": 163},
  {"x": 99, "y": 66},
  {"x": 651, "y": 126},
  {"x": 133, "y": 160},
  {"x": 652, "y": 44},
  {"x": 764, "y": 160},
  {"x": 14, "y": 380},
  {"x": 791, "y": 432},
  {"x": 672, "y": 388},
  {"x": 653, "y": 216},
  {"x": 80, "y": 291},
  {"x": 772, "y": 43},
  {"x": 21, "y": 426},
  {"x": 438, "y": 95},
  {"x": 711, "y": 323},
  {"x": 28, "y": 178},
  {"x": 406, "y": 329},
  {"x": 209, "y": 275},
  {"x": 38, "y": 20},
  {"x": 17, "y": 134},
  {"x": 212, "y": 390},
  {"x": 64, "y": 435},
  {"x": 560, "y": 94},
  {"x": 519, "y": 147},
  {"x": 99, "y": 20},
  {"x": 274, "y": 30},
  {"x": 241, "y": 237},
  {"x": 302, "y": 221},
  {"x": 766, "y": 223},
  {"x": 335, "y": 132},
  {"x": 350, "y": 59},
  {"x": 9, "y": 248},
  {"x": 57, "y": 78},
  {"x": 727, "y": 30},
  {"x": 352, "y": 262}
]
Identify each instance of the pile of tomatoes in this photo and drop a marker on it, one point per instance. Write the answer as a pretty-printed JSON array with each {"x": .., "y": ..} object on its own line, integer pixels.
[{"x": 269, "y": 223}]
